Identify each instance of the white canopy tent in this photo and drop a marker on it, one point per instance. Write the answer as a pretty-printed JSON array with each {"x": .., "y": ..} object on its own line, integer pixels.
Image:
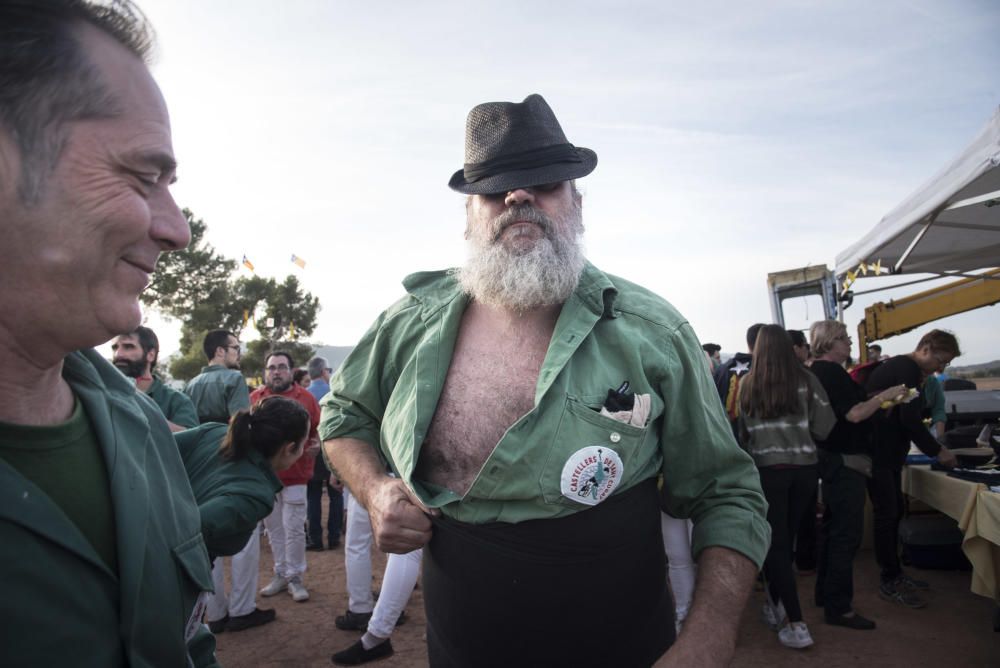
[{"x": 951, "y": 224}]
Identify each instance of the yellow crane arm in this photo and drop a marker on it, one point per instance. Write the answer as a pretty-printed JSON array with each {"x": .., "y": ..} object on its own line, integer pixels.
[{"x": 897, "y": 316}]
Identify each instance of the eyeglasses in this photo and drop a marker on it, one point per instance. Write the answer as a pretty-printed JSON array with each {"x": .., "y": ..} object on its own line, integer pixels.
[
  {"x": 236, "y": 347},
  {"x": 280, "y": 367},
  {"x": 842, "y": 337}
]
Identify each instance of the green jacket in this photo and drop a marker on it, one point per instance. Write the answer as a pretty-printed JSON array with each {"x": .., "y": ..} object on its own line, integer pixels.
[
  {"x": 176, "y": 406},
  {"x": 61, "y": 606},
  {"x": 609, "y": 331},
  {"x": 233, "y": 496},
  {"x": 217, "y": 393}
]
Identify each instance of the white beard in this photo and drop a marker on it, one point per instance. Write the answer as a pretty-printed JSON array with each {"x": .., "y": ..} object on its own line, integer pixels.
[{"x": 543, "y": 275}]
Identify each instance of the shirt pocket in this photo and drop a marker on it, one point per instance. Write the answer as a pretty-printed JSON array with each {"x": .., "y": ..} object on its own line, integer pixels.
[
  {"x": 589, "y": 455},
  {"x": 194, "y": 574}
]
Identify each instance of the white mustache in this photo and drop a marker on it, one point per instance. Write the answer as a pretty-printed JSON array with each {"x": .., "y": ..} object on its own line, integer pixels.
[{"x": 520, "y": 214}]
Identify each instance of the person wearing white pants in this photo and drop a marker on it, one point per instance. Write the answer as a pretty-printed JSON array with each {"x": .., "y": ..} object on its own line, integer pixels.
[
  {"x": 286, "y": 533},
  {"x": 382, "y": 617},
  {"x": 682, "y": 569},
  {"x": 238, "y": 611}
]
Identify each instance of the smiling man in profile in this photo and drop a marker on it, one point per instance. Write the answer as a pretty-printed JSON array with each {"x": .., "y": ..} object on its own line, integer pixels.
[
  {"x": 528, "y": 403},
  {"x": 101, "y": 556}
]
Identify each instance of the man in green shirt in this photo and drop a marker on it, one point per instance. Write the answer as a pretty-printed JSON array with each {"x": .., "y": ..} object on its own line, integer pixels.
[
  {"x": 135, "y": 356},
  {"x": 528, "y": 403},
  {"x": 101, "y": 553},
  {"x": 219, "y": 390}
]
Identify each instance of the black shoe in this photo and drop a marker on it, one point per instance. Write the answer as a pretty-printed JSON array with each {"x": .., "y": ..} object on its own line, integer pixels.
[
  {"x": 401, "y": 619},
  {"x": 356, "y": 654},
  {"x": 249, "y": 620},
  {"x": 315, "y": 547},
  {"x": 896, "y": 591},
  {"x": 854, "y": 621},
  {"x": 219, "y": 625},
  {"x": 352, "y": 621},
  {"x": 334, "y": 543},
  {"x": 916, "y": 585}
]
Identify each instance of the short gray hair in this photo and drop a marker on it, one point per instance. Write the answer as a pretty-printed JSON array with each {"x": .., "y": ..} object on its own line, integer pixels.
[{"x": 317, "y": 366}]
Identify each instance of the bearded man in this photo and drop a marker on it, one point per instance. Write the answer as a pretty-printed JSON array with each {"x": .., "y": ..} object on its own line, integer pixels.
[
  {"x": 286, "y": 523},
  {"x": 528, "y": 404},
  {"x": 135, "y": 355}
]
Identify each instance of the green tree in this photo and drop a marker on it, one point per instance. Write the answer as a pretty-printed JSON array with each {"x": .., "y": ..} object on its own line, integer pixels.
[
  {"x": 197, "y": 286},
  {"x": 186, "y": 279}
]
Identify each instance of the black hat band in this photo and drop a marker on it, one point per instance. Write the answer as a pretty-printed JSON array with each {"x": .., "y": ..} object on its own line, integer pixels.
[{"x": 538, "y": 157}]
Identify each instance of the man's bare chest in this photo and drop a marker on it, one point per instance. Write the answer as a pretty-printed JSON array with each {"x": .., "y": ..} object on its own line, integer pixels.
[{"x": 489, "y": 386}]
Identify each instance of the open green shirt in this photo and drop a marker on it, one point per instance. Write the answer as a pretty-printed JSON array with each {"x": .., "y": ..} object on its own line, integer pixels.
[
  {"x": 176, "y": 406},
  {"x": 218, "y": 392},
  {"x": 608, "y": 331}
]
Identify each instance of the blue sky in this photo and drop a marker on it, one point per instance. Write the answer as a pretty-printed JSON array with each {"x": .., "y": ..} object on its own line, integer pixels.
[{"x": 732, "y": 140}]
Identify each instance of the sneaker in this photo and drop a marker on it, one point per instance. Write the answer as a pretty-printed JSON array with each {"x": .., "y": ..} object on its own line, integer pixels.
[
  {"x": 895, "y": 591},
  {"x": 219, "y": 625},
  {"x": 916, "y": 585},
  {"x": 277, "y": 585},
  {"x": 352, "y": 621},
  {"x": 298, "y": 590},
  {"x": 356, "y": 654},
  {"x": 855, "y": 621},
  {"x": 255, "y": 618},
  {"x": 314, "y": 547},
  {"x": 795, "y": 635},
  {"x": 772, "y": 615}
]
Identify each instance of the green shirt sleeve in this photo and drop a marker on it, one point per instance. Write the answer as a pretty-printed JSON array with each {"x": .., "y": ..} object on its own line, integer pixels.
[
  {"x": 181, "y": 410},
  {"x": 238, "y": 397},
  {"x": 706, "y": 475}
]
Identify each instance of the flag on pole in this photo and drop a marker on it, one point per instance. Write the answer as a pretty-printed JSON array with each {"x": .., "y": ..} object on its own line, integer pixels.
[
  {"x": 291, "y": 327},
  {"x": 247, "y": 263},
  {"x": 298, "y": 261}
]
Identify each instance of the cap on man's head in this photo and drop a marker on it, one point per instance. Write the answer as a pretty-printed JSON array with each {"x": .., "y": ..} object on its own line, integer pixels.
[{"x": 512, "y": 145}]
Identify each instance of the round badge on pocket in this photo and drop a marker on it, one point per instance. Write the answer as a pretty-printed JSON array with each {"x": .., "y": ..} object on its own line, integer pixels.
[{"x": 591, "y": 474}]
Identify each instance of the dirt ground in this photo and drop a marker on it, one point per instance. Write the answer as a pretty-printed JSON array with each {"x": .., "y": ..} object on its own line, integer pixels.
[{"x": 955, "y": 630}]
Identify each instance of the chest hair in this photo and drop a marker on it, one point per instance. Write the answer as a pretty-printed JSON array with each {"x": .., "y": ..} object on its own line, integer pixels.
[{"x": 490, "y": 385}]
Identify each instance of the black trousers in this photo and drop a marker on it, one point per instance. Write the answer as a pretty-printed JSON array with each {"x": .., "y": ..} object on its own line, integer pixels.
[
  {"x": 886, "y": 492},
  {"x": 788, "y": 491},
  {"x": 589, "y": 589},
  {"x": 314, "y": 512},
  {"x": 841, "y": 531}
]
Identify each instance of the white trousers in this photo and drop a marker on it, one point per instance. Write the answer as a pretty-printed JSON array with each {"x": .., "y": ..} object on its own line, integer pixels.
[
  {"x": 682, "y": 571},
  {"x": 401, "y": 572},
  {"x": 286, "y": 531},
  {"x": 244, "y": 576}
]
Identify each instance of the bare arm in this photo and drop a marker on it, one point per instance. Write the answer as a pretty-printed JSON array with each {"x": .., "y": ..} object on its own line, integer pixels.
[
  {"x": 708, "y": 637},
  {"x": 865, "y": 409},
  {"x": 400, "y": 522}
]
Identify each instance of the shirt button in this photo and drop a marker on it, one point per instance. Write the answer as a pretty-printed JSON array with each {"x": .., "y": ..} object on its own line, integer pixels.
[{"x": 615, "y": 437}]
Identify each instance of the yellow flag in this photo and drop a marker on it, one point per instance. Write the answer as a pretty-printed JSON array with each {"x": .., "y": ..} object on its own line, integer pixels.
[
  {"x": 291, "y": 327},
  {"x": 247, "y": 263},
  {"x": 298, "y": 261}
]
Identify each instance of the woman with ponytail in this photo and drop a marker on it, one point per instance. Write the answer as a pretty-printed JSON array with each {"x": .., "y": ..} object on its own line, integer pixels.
[{"x": 232, "y": 471}]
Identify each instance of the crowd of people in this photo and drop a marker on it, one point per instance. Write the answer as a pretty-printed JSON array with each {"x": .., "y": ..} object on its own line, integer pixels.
[{"x": 528, "y": 434}]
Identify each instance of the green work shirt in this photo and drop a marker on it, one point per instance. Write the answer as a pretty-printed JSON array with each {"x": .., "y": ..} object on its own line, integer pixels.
[
  {"x": 61, "y": 604},
  {"x": 233, "y": 494},
  {"x": 609, "y": 331},
  {"x": 218, "y": 392},
  {"x": 176, "y": 406}
]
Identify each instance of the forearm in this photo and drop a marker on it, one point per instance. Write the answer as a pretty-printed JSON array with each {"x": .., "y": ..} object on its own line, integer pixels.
[
  {"x": 725, "y": 578},
  {"x": 356, "y": 464}
]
